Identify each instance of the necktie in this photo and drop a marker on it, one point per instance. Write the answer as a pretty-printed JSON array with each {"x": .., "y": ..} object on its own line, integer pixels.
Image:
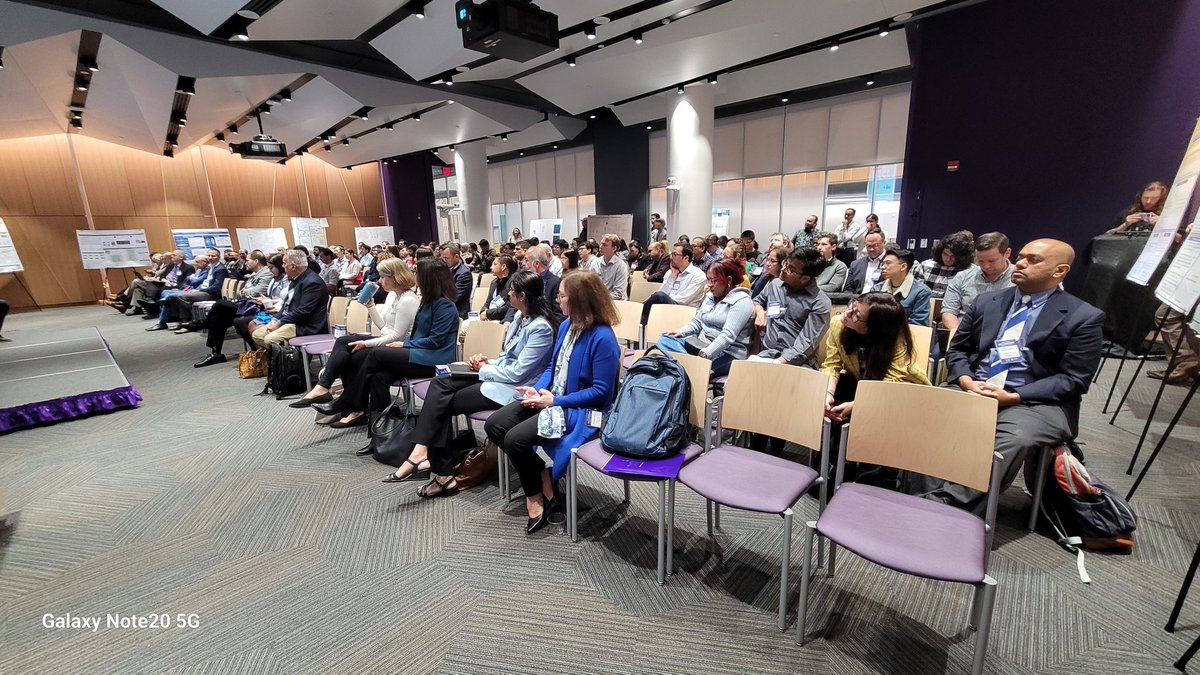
[{"x": 1014, "y": 327}]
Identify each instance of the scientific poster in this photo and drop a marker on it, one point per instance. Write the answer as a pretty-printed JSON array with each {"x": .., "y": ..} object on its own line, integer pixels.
[
  {"x": 1173, "y": 214},
  {"x": 266, "y": 239},
  {"x": 372, "y": 236},
  {"x": 620, "y": 225},
  {"x": 547, "y": 230},
  {"x": 9, "y": 260},
  {"x": 309, "y": 232},
  {"x": 720, "y": 222},
  {"x": 195, "y": 242},
  {"x": 102, "y": 249},
  {"x": 1180, "y": 285}
]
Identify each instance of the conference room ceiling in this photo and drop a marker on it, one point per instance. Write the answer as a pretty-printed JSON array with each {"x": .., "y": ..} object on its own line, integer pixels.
[{"x": 379, "y": 55}]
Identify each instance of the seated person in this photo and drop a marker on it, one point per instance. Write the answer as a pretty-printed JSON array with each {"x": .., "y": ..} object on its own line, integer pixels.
[
  {"x": 636, "y": 259},
  {"x": 793, "y": 311},
  {"x": 268, "y": 304},
  {"x": 613, "y": 271},
  {"x": 570, "y": 261},
  {"x": 394, "y": 326},
  {"x": 235, "y": 264},
  {"x": 464, "y": 281},
  {"x": 432, "y": 341},
  {"x": 991, "y": 272},
  {"x": 865, "y": 271},
  {"x": 1142, "y": 215},
  {"x": 351, "y": 268},
  {"x": 658, "y": 263},
  {"x": 951, "y": 255},
  {"x": 495, "y": 307},
  {"x": 736, "y": 251},
  {"x": 329, "y": 271},
  {"x": 898, "y": 281},
  {"x": 203, "y": 285},
  {"x": 537, "y": 260},
  {"x": 581, "y": 377},
  {"x": 589, "y": 256},
  {"x": 682, "y": 285},
  {"x": 722, "y": 328},
  {"x": 833, "y": 279},
  {"x": 870, "y": 341},
  {"x": 305, "y": 308},
  {"x": 556, "y": 267},
  {"x": 1033, "y": 349},
  {"x": 160, "y": 262},
  {"x": 772, "y": 266},
  {"x": 526, "y": 354},
  {"x": 224, "y": 312}
]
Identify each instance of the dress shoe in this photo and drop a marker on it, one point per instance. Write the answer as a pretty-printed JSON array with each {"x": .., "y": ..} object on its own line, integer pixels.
[
  {"x": 1156, "y": 374},
  {"x": 360, "y": 421},
  {"x": 1181, "y": 376},
  {"x": 368, "y": 449},
  {"x": 210, "y": 360},
  {"x": 306, "y": 402},
  {"x": 538, "y": 523},
  {"x": 157, "y": 326},
  {"x": 150, "y": 316},
  {"x": 133, "y": 311},
  {"x": 334, "y": 407}
]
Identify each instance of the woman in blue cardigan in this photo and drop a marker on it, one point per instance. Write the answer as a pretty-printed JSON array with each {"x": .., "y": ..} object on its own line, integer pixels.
[
  {"x": 432, "y": 341},
  {"x": 553, "y": 413}
]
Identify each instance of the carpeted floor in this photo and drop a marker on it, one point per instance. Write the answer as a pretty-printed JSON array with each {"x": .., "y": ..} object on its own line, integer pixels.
[{"x": 294, "y": 558}]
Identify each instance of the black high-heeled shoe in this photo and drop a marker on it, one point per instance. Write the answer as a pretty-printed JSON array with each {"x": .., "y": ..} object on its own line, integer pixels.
[
  {"x": 332, "y": 408},
  {"x": 538, "y": 523}
]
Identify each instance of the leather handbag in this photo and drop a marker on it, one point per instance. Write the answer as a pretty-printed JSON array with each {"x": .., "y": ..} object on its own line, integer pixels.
[
  {"x": 252, "y": 364},
  {"x": 476, "y": 468},
  {"x": 390, "y": 434}
]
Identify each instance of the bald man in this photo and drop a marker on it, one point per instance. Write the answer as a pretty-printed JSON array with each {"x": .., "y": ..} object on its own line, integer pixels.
[{"x": 1034, "y": 348}]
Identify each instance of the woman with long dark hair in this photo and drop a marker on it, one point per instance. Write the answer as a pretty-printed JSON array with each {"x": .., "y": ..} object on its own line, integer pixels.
[
  {"x": 432, "y": 341},
  {"x": 1142, "y": 215},
  {"x": 526, "y": 352},
  {"x": 952, "y": 254},
  {"x": 553, "y": 413},
  {"x": 870, "y": 341}
]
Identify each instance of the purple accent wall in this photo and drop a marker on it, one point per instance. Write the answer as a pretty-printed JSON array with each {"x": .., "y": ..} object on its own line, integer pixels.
[
  {"x": 408, "y": 193},
  {"x": 1059, "y": 113}
]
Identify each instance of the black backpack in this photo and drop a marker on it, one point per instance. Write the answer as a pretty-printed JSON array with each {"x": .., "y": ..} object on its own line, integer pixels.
[
  {"x": 285, "y": 371},
  {"x": 649, "y": 419}
]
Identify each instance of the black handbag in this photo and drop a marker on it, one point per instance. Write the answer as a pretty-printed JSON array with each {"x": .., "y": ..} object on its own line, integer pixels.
[{"x": 390, "y": 434}]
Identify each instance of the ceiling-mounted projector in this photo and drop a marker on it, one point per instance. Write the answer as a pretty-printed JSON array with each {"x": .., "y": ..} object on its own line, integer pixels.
[
  {"x": 261, "y": 146},
  {"x": 510, "y": 29}
]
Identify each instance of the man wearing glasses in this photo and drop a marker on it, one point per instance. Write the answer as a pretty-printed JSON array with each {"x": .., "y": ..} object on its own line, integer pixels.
[
  {"x": 305, "y": 309},
  {"x": 684, "y": 283}
]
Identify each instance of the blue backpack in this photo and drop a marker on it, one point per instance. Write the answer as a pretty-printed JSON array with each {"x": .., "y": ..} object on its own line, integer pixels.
[{"x": 649, "y": 419}]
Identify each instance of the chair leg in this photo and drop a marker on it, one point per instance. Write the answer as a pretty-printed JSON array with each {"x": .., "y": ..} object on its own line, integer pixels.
[
  {"x": 662, "y": 534},
  {"x": 307, "y": 371},
  {"x": 986, "y": 600},
  {"x": 626, "y": 501},
  {"x": 1043, "y": 462},
  {"x": 717, "y": 515},
  {"x": 502, "y": 475},
  {"x": 1181, "y": 664},
  {"x": 708, "y": 509},
  {"x": 832, "y": 552},
  {"x": 805, "y": 572},
  {"x": 572, "y": 492},
  {"x": 784, "y": 565},
  {"x": 670, "y": 527}
]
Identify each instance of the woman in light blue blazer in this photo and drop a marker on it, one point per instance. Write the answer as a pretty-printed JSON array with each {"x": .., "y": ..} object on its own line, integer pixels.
[{"x": 525, "y": 356}]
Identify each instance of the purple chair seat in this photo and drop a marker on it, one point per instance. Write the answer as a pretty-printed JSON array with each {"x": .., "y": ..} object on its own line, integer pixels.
[
  {"x": 320, "y": 348},
  {"x": 310, "y": 339},
  {"x": 597, "y": 457},
  {"x": 906, "y": 533},
  {"x": 481, "y": 416},
  {"x": 420, "y": 388},
  {"x": 747, "y": 480},
  {"x": 627, "y": 362}
]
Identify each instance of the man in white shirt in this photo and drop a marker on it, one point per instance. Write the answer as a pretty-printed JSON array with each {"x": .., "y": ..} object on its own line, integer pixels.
[
  {"x": 851, "y": 236},
  {"x": 587, "y": 257},
  {"x": 614, "y": 271},
  {"x": 684, "y": 283},
  {"x": 865, "y": 272},
  {"x": 991, "y": 272},
  {"x": 556, "y": 267}
]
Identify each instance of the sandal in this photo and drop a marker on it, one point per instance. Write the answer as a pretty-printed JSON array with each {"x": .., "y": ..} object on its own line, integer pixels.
[
  {"x": 447, "y": 489},
  {"x": 417, "y": 473}
]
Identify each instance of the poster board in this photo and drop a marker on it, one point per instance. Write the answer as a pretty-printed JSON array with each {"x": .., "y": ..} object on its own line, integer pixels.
[
  {"x": 10, "y": 262},
  {"x": 1173, "y": 215},
  {"x": 720, "y": 222},
  {"x": 372, "y": 236},
  {"x": 548, "y": 229},
  {"x": 102, "y": 249},
  {"x": 193, "y": 242},
  {"x": 309, "y": 232},
  {"x": 1180, "y": 286},
  {"x": 266, "y": 239},
  {"x": 620, "y": 225}
]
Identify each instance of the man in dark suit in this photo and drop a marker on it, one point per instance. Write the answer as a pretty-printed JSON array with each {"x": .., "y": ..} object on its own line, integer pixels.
[
  {"x": 203, "y": 285},
  {"x": 1034, "y": 348},
  {"x": 537, "y": 260},
  {"x": 463, "y": 281},
  {"x": 866, "y": 271},
  {"x": 305, "y": 308}
]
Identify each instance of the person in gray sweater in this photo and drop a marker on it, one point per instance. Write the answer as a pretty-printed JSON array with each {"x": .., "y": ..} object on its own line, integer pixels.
[{"x": 723, "y": 326}]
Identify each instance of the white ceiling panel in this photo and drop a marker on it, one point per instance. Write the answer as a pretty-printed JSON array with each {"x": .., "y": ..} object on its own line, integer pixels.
[
  {"x": 129, "y": 101},
  {"x": 205, "y": 16},
  {"x": 688, "y": 49},
  {"x": 315, "y": 107},
  {"x": 800, "y": 72},
  {"x": 37, "y": 82},
  {"x": 387, "y": 114},
  {"x": 441, "y": 127},
  {"x": 219, "y": 100},
  {"x": 321, "y": 19},
  {"x": 552, "y": 130}
]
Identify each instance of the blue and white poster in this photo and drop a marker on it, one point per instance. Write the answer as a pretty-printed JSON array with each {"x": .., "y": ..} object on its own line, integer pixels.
[{"x": 193, "y": 242}]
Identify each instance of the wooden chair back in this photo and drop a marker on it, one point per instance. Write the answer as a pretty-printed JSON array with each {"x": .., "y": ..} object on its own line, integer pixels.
[
  {"x": 935, "y": 311},
  {"x": 640, "y": 291},
  {"x": 478, "y": 298},
  {"x": 486, "y": 279},
  {"x": 698, "y": 370},
  {"x": 665, "y": 319},
  {"x": 777, "y": 400},
  {"x": 484, "y": 337},
  {"x": 890, "y": 427},
  {"x": 357, "y": 318},
  {"x": 337, "y": 310},
  {"x": 922, "y": 342},
  {"x": 630, "y": 327}
]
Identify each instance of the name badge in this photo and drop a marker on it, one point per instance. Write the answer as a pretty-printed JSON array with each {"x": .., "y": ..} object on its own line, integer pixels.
[
  {"x": 876, "y": 275},
  {"x": 774, "y": 310},
  {"x": 1008, "y": 352},
  {"x": 708, "y": 302},
  {"x": 595, "y": 419}
]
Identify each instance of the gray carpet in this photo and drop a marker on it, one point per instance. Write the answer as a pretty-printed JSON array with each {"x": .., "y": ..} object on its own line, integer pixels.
[{"x": 210, "y": 501}]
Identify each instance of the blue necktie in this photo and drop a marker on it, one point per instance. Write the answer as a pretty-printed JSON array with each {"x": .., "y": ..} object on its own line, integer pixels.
[{"x": 1013, "y": 329}]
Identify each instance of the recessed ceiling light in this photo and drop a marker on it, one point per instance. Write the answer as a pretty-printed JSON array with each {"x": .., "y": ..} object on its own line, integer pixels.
[
  {"x": 637, "y": 38},
  {"x": 712, "y": 79},
  {"x": 248, "y": 14},
  {"x": 648, "y": 127},
  {"x": 451, "y": 148},
  {"x": 220, "y": 137},
  {"x": 834, "y": 47},
  {"x": 902, "y": 17},
  {"x": 463, "y": 69},
  {"x": 680, "y": 89},
  {"x": 601, "y": 20},
  {"x": 78, "y": 124}
]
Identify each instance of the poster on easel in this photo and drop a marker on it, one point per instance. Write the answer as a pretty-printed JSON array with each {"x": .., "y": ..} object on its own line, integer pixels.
[
  {"x": 1174, "y": 214},
  {"x": 265, "y": 239},
  {"x": 620, "y": 225},
  {"x": 309, "y": 232},
  {"x": 105, "y": 249},
  {"x": 720, "y": 222},
  {"x": 547, "y": 229},
  {"x": 195, "y": 242},
  {"x": 1180, "y": 285},
  {"x": 373, "y": 236},
  {"x": 10, "y": 262}
]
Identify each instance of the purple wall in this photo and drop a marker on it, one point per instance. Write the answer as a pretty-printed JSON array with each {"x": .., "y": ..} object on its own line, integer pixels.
[
  {"x": 408, "y": 193},
  {"x": 1058, "y": 111}
]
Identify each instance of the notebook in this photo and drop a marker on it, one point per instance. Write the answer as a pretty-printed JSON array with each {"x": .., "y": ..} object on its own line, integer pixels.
[
  {"x": 457, "y": 369},
  {"x": 653, "y": 468}
]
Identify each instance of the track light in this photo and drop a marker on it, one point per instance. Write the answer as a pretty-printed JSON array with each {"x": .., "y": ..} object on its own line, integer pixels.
[
  {"x": 390, "y": 126},
  {"x": 416, "y": 117},
  {"x": 299, "y": 151},
  {"x": 76, "y": 115},
  {"x": 554, "y": 147},
  {"x": 327, "y": 148},
  {"x": 345, "y": 141},
  {"x": 266, "y": 110},
  {"x": 834, "y": 47},
  {"x": 521, "y": 153},
  {"x": 418, "y": 8},
  {"x": 637, "y": 38},
  {"x": 590, "y": 31},
  {"x": 592, "y": 116},
  {"x": 180, "y": 120},
  {"x": 89, "y": 64},
  {"x": 81, "y": 83},
  {"x": 286, "y": 95},
  {"x": 504, "y": 137},
  {"x": 363, "y": 114},
  {"x": 712, "y": 79},
  {"x": 220, "y": 137},
  {"x": 870, "y": 81},
  {"x": 571, "y": 61},
  {"x": 186, "y": 86},
  {"x": 883, "y": 30},
  {"x": 77, "y": 123},
  {"x": 648, "y": 127},
  {"x": 450, "y": 148},
  {"x": 168, "y": 153},
  {"x": 240, "y": 35},
  {"x": 679, "y": 90},
  {"x": 233, "y": 129},
  {"x": 784, "y": 99},
  {"x": 173, "y": 140}
]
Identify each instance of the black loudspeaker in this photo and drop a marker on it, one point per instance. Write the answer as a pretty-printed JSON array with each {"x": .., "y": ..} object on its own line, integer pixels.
[{"x": 1128, "y": 307}]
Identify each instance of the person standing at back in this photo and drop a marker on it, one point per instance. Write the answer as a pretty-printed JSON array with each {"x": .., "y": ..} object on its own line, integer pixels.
[
  {"x": 851, "y": 237},
  {"x": 451, "y": 254}
]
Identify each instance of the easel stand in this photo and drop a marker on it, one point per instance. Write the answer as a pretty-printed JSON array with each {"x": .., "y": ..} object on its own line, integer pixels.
[
  {"x": 1163, "y": 440},
  {"x": 1162, "y": 386},
  {"x": 17, "y": 276},
  {"x": 1183, "y": 591},
  {"x": 1128, "y": 346}
]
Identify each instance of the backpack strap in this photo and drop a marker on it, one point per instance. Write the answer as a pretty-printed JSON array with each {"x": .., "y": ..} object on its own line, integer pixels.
[{"x": 1071, "y": 544}]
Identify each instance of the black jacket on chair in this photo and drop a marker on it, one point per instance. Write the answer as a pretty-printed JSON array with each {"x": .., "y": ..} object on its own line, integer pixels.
[{"x": 308, "y": 305}]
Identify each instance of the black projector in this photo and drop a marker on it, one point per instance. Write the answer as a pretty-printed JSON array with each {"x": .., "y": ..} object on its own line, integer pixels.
[
  {"x": 260, "y": 147},
  {"x": 509, "y": 29}
]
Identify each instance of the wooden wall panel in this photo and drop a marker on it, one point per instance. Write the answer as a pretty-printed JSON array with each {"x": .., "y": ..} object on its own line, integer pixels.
[
  {"x": 109, "y": 186},
  {"x": 50, "y": 254},
  {"x": 183, "y": 183}
]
